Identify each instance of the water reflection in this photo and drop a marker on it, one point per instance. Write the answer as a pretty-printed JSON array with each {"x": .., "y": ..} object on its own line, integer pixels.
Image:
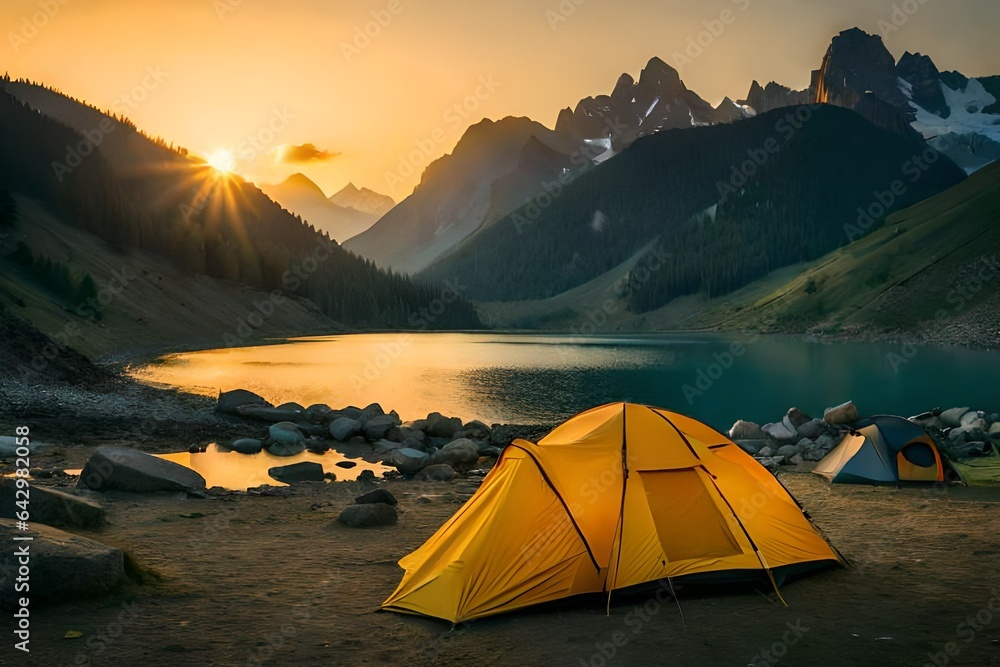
[
  {"x": 239, "y": 472},
  {"x": 544, "y": 379}
]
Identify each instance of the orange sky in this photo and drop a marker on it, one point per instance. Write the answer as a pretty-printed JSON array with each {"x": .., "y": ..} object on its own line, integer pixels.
[{"x": 252, "y": 75}]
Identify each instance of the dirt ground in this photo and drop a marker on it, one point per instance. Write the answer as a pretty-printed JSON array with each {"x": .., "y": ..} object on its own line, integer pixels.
[{"x": 251, "y": 580}]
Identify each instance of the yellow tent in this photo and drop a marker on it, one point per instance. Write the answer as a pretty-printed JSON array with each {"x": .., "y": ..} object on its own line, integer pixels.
[{"x": 617, "y": 496}]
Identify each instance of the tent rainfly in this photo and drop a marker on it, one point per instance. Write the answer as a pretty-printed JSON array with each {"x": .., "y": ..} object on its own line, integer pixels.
[{"x": 618, "y": 496}]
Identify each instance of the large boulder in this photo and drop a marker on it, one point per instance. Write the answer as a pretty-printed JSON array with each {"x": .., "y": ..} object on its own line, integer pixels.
[
  {"x": 752, "y": 446},
  {"x": 319, "y": 413},
  {"x": 970, "y": 450},
  {"x": 994, "y": 432},
  {"x": 404, "y": 433},
  {"x": 440, "y": 472},
  {"x": 408, "y": 460},
  {"x": 230, "y": 401},
  {"x": 781, "y": 432},
  {"x": 286, "y": 449},
  {"x": 51, "y": 507},
  {"x": 368, "y": 515},
  {"x": 123, "y": 469},
  {"x": 378, "y": 427},
  {"x": 458, "y": 452},
  {"x": 474, "y": 430},
  {"x": 247, "y": 446},
  {"x": 385, "y": 446},
  {"x": 63, "y": 566},
  {"x": 827, "y": 442},
  {"x": 343, "y": 429},
  {"x": 797, "y": 418},
  {"x": 439, "y": 426},
  {"x": 377, "y": 496},
  {"x": 953, "y": 418},
  {"x": 306, "y": 471},
  {"x": 271, "y": 415},
  {"x": 370, "y": 412},
  {"x": 787, "y": 451},
  {"x": 811, "y": 429},
  {"x": 815, "y": 454},
  {"x": 845, "y": 413},
  {"x": 744, "y": 430},
  {"x": 286, "y": 433}
]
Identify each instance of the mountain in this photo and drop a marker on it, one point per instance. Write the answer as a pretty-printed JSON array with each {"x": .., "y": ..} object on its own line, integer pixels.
[
  {"x": 774, "y": 96},
  {"x": 728, "y": 203},
  {"x": 364, "y": 200},
  {"x": 659, "y": 100},
  {"x": 89, "y": 199},
  {"x": 495, "y": 168},
  {"x": 959, "y": 116},
  {"x": 301, "y": 196},
  {"x": 929, "y": 275}
]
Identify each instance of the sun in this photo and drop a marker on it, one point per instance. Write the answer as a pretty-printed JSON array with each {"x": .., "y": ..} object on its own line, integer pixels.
[{"x": 222, "y": 161}]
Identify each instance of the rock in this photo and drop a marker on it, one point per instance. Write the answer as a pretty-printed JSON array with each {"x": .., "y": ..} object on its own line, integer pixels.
[
  {"x": 386, "y": 446},
  {"x": 956, "y": 437},
  {"x": 842, "y": 414},
  {"x": 298, "y": 472},
  {"x": 313, "y": 430},
  {"x": 797, "y": 418},
  {"x": 378, "y": 427},
  {"x": 787, "y": 451},
  {"x": 229, "y": 401},
  {"x": 370, "y": 412},
  {"x": 317, "y": 445},
  {"x": 766, "y": 452},
  {"x": 994, "y": 417},
  {"x": 247, "y": 446},
  {"x": 408, "y": 461},
  {"x": 474, "y": 430},
  {"x": 411, "y": 443},
  {"x": 8, "y": 446},
  {"x": 319, "y": 413},
  {"x": 752, "y": 446},
  {"x": 281, "y": 449},
  {"x": 780, "y": 432},
  {"x": 811, "y": 429},
  {"x": 368, "y": 515},
  {"x": 972, "y": 432},
  {"x": 486, "y": 462},
  {"x": 771, "y": 462},
  {"x": 744, "y": 430},
  {"x": 63, "y": 566},
  {"x": 972, "y": 418},
  {"x": 439, "y": 426},
  {"x": 270, "y": 415},
  {"x": 994, "y": 432},
  {"x": 953, "y": 418},
  {"x": 344, "y": 428},
  {"x": 827, "y": 442},
  {"x": 457, "y": 452},
  {"x": 366, "y": 475},
  {"x": 404, "y": 433},
  {"x": 436, "y": 473},
  {"x": 286, "y": 433},
  {"x": 124, "y": 469},
  {"x": 797, "y": 460},
  {"x": 814, "y": 455},
  {"x": 804, "y": 445},
  {"x": 51, "y": 507},
  {"x": 486, "y": 449},
  {"x": 377, "y": 496},
  {"x": 346, "y": 465}
]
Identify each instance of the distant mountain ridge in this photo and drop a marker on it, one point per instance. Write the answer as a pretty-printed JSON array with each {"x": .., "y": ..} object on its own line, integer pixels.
[
  {"x": 302, "y": 196},
  {"x": 364, "y": 200}
]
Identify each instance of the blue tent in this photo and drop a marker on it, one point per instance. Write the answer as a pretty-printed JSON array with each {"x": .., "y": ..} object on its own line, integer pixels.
[{"x": 883, "y": 450}]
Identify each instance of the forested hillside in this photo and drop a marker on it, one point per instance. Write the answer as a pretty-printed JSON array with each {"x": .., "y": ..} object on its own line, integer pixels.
[
  {"x": 727, "y": 203},
  {"x": 199, "y": 220}
]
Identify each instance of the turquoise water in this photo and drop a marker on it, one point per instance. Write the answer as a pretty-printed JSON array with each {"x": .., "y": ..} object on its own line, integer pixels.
[{"x": 546, "y": 378}]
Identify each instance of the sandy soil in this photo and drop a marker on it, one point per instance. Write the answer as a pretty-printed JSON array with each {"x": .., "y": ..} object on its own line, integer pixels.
[{"x": 275, "y": 580}]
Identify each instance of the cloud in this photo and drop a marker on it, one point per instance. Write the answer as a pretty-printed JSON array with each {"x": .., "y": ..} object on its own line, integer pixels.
[{"x": 292, "y": 154}]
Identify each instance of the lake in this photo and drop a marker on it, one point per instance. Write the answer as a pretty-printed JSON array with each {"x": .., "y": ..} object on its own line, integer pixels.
[{"x": 528, "y": 379}]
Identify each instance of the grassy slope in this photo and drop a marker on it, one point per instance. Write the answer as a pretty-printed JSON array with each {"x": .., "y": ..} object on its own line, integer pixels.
[{"x": 892, "y": 280}]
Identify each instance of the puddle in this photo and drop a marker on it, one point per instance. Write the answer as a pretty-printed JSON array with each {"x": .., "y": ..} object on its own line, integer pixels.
[{"x": 239, "y": 472}]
